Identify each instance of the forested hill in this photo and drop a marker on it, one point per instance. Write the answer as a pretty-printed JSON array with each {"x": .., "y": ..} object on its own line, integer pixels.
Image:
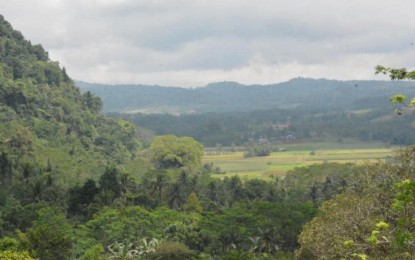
[
  {"x": 232, "y": 97},
  {"x": 75, "y": 184},
  {"x": 45, "y": 121}
]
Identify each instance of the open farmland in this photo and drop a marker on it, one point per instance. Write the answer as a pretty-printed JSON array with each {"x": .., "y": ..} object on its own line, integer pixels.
[{"x": 296, "y": 155}]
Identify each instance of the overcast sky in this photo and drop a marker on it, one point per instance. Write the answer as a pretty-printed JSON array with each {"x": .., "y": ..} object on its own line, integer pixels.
[{"x": 190, "y": 43}]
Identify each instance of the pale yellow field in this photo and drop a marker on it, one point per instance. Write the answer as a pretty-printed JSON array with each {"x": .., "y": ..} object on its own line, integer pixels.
[{"x": 278, "y": 163}]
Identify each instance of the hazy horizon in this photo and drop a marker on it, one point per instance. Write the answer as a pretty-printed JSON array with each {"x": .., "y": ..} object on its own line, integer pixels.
[{"x": 192, "y": 43}]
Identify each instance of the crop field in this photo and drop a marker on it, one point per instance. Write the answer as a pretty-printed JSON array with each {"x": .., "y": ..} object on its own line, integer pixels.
[{"x": 296, "y": 155}]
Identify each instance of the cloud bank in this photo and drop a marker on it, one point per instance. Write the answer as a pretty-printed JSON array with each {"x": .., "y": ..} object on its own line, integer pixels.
[{"x": 191, "y": 43}]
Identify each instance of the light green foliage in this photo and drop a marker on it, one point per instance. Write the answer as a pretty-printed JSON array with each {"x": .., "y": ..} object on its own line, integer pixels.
[
  {"x": 373, "y": 239},
  {"x": 11, "y": 255},
  {"x": 49, "y": 243},
  {"x": 7, "y": 243},
  {"x": 96, "y": 252},
  {"x": 142, "y": 249},
  {"x": 48, "y": 117},
  {"x": 359, "y": 256},
  {"x": 403, "y": 205},
  {"x": 11, "y": 249},
  {"x": 147, "y": 246},
  {"x": 378, "y": 240},
  {"x": 275, "y": 223},
  {"x": 125, "y": 225},
  {"x": 348, "y": 243},
  {"x": 121, "y": 251},
  {"x": 174, "y": 152},
  {"x": 357, "y": 218},
  {"x": 172, "y": 251},
  {"x": 344, "y": 218},
  {"x": 395, "y": 73},
  {"x": 398, "y": 74},
  {"x": 53, "y": 217},
  {"x": 111, "y": 225},
  {"x": 398, "y": 99},
  {"x": 50, "y": 236},
  {"x": 382, "y": 225},
  {"x": 192, "y": 204},
  {"x": 405, "y": 195}
]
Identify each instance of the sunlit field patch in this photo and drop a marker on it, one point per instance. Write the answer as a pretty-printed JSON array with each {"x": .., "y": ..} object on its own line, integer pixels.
[{"x": 296, "y": 155}]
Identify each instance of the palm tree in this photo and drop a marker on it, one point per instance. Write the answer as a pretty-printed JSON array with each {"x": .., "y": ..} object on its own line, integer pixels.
[
  {"x": 128, "y": 186},
  {"x": 235, "y": 188},
  {"x": 212, "y": 191},
  {"x": 176, "y": 196},
  {"x": 159, "y": 182}
]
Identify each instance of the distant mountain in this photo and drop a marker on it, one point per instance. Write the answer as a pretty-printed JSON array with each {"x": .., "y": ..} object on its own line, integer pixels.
[{"x": 232, "y": 97}]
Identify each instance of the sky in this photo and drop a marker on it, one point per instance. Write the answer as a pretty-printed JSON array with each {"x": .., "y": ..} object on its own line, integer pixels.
[{"x": 190, "y": 43}]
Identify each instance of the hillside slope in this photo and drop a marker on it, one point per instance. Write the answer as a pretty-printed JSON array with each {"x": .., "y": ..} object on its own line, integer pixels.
[{"x": 46, "y": 122}]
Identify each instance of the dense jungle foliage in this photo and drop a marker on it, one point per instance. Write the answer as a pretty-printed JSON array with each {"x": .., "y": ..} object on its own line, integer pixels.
[{"x": 75, "y": 184}]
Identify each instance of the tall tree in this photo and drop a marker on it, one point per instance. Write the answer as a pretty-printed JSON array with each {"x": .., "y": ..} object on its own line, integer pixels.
[{"x": 174, "y": 152}]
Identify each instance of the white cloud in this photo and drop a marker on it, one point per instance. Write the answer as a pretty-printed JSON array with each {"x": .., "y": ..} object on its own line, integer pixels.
[{"x": 192, "y": 43}]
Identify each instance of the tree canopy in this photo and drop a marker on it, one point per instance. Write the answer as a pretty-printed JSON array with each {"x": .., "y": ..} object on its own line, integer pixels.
[{"x": 175, "y": 152}]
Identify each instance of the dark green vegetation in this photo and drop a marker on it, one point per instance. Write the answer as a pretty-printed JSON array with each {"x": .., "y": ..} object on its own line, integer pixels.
[
  {"x": 47, "y": 125},
  {"x": 286, "y": 126},
  {"x": 299, "y": 110},
  {"x": 75, "y": 184}
]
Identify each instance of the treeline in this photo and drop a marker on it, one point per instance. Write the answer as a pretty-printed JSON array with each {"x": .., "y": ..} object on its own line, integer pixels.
[
  {"x": 178, "y": 211},
  {"x": 75, "y": 184},
  {"x": 280, "y": 125},
  {"x": 175, "y": 211}
]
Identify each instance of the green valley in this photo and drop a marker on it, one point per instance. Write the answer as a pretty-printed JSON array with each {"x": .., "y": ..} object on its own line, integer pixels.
[{"x": 261, "y": 176}]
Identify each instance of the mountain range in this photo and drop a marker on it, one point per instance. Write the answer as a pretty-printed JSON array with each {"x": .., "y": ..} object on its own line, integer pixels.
[{"x": 232, "y": 97}]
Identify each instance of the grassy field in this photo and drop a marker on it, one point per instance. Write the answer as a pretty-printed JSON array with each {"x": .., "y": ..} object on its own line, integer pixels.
[{"x": 296, "y": 155}]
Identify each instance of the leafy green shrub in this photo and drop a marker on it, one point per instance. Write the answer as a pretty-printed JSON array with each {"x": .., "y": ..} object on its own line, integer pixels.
[{"x": 168, "y": 250}]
